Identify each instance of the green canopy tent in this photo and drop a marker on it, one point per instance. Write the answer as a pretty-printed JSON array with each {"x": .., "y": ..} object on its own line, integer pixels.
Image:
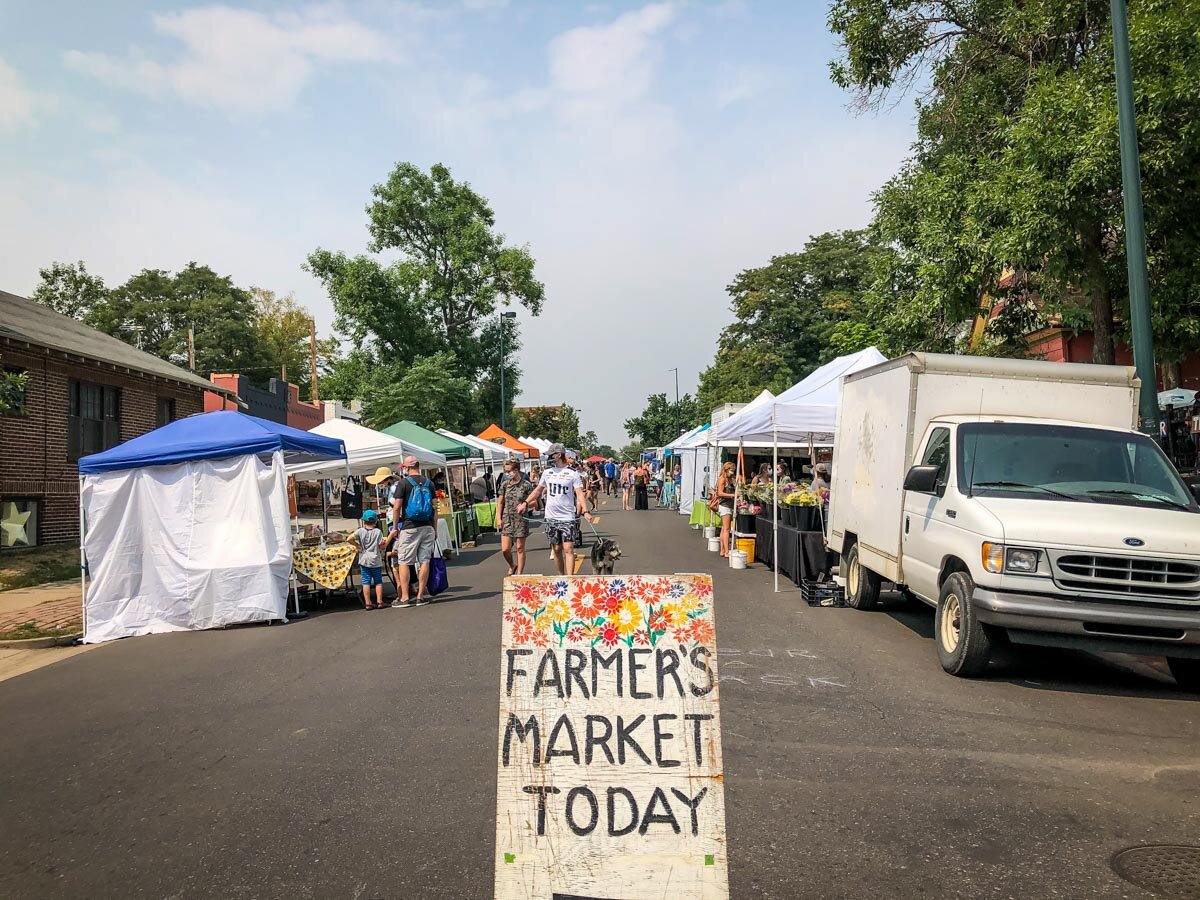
[
  {"x": 456, "y": 452},
  {"x": 458, "y": 455}
]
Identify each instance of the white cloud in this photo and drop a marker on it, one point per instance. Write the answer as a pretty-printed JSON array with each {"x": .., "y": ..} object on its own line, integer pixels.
[
  {"x": 607, "y": 65},
  {"x": 738, "y": 85},
  {"x": 237, "y": 60},
  {"x": 16, "y": 101}
]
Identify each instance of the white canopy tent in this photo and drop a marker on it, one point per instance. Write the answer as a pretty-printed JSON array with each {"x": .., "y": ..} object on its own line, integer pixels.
[
  {"x": 366, "y": 451},
  {"x": 540, "y": 444},
  {"x": 807, "y": 408},
  {"x": 735, "y": 423},
  {"x": 804, "y": 413},
  {"x": 693, "y": 455}
]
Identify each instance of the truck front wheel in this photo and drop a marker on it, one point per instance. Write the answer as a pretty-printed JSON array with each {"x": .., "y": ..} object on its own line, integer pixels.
[
  {"x": 964, "y": 645},
  {"x": 862, "y": 585},
  {"x": 1186, "y": 672}
]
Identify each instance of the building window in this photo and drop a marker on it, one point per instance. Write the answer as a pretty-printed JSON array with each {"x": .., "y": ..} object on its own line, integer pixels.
[
  {"x": 94, "y": 420},
  {"x": 166, "y": 411},
  {"x": 13, "y": 392},
  {"x": 18, "y": 523}
]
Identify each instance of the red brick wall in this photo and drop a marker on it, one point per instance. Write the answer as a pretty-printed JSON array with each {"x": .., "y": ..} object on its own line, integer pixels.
[
  {"x": 1059, "y": 345},
  {"x": 300, "y": 414},
  {"x": 33, "y": 448}
]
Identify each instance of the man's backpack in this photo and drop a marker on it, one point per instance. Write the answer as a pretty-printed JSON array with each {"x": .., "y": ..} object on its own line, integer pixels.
[{"x": 419, "y": 507}]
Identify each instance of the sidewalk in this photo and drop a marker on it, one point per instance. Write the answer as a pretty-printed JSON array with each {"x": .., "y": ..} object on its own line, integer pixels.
[
  {"x": 55, "y": 605},
  {"x": 49, "y": 606}
]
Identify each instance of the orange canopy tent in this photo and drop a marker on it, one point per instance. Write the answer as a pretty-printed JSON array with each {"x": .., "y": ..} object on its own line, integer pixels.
[{"x": 498, "y": 435}]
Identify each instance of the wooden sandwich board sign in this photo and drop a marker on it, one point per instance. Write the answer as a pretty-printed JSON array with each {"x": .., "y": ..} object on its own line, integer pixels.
[{"x": 610, "y": 781}]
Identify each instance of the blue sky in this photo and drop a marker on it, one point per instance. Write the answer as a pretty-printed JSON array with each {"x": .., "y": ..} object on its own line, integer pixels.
[{"x": 645, "y": 153}]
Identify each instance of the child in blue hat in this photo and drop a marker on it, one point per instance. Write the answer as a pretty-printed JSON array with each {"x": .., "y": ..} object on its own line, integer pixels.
[{"x": 369, "y": 540}]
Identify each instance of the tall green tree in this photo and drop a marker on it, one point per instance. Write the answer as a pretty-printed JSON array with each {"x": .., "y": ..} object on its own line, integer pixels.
[
  {"x": 70, "y": 289},
  {"x": 662, "y": 421},
  {"x": 1017, "y": 161},
  {"x": 154, "y": 309},
  {"x": 453, "y": 272},
  {"x": 283, "y": 330},
  {"x": 559, "y": 424},
  {"x": 785, "y": 314},
  {"x": 428, "y": 393}
]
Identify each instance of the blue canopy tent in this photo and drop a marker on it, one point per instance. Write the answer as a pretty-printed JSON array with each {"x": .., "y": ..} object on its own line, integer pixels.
[
  {"x": 214, "y": 435},
  {"x": 187, "y": 527}
]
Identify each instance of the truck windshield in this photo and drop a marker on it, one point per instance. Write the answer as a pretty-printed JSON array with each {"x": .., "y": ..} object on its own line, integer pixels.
[{"x": 1068, "y": 463}]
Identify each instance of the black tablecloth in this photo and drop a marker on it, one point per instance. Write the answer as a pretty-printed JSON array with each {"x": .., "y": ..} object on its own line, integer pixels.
[{"x": 802, "y": 554}]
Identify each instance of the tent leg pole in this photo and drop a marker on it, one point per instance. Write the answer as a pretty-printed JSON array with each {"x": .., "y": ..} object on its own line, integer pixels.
[
  {"x": 324, "y": 507},
  {"x": 82, "y": 560},
  {"x": 775, "y": 503}
]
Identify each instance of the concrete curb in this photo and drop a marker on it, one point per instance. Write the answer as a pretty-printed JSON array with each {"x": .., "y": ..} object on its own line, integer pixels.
[{"x": 41, "y": 643}]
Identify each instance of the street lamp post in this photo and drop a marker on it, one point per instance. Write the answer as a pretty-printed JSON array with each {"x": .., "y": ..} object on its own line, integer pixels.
[
  {"x": 1135, "y": 225},
  {"x": 676, "y": 415},
  {"x": 503, "y": 316}
]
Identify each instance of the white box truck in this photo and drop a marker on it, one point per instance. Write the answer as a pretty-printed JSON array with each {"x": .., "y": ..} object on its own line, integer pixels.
[{"x": 1017, "y": 499}]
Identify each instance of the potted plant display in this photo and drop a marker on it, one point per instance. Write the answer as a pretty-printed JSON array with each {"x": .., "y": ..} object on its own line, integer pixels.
[{"x": 805, "y": 507}]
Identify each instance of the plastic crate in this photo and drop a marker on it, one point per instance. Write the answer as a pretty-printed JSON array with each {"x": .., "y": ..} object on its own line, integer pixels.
[{"x": 823, "y": 593}]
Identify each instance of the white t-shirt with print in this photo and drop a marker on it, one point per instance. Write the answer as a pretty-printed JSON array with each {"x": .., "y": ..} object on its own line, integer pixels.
[{"x": 559, "y": 486}]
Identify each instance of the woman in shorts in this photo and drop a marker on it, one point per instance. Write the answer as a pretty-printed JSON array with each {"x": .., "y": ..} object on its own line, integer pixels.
[
  {"x": 724, "y": 492},
  {"x": 514, "y": 490}
]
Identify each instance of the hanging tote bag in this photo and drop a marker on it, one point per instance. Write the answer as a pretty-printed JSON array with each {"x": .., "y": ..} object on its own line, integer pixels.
[{"x": 438, "y": 580}]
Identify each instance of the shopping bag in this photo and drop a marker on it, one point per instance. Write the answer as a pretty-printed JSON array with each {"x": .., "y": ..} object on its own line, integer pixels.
[{"x": 438, "y": 580}]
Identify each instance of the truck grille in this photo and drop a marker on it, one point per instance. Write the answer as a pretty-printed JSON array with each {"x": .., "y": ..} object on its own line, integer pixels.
[{"x": 1152, "y": 578}]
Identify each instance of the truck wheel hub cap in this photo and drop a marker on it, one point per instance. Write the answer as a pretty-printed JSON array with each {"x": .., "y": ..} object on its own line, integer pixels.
[{"x": 951, "y": 622}]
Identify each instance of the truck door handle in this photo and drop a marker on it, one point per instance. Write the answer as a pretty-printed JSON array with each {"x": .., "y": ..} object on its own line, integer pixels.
[
  {"x": 906, "y": 524},
  {"x": 951, "y": 514}
]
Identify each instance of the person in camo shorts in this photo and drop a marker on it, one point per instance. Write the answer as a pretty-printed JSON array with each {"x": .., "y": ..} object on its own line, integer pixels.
[
  {"x": 514, "y": 489},
  {"x": 565, "y": 502}
]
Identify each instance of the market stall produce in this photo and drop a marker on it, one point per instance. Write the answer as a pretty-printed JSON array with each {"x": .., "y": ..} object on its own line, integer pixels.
[{"x": 804, "y": 413}]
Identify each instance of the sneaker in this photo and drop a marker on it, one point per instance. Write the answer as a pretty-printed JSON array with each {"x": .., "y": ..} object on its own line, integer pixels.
[
  {"x": 421, "y": 601},
  {"x": 400, "y": 604}
]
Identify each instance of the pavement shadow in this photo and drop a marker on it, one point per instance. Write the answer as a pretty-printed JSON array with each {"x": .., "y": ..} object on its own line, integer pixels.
[{"x": 1055, "y": 669}]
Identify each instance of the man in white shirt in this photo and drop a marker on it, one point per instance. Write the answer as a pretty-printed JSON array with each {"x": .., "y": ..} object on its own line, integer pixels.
[{"x": 565, "y": 502}]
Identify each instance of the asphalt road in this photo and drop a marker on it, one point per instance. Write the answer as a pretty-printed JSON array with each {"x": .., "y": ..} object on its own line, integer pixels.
[{"x": 353, "y": 754}]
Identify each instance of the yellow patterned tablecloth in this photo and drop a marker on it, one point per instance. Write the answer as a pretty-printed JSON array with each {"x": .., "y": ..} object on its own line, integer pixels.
[{"x": 327, "y": 566}]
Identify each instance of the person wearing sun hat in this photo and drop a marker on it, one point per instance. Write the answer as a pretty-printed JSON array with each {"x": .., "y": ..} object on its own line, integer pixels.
[{"x": 385, "y": 478}]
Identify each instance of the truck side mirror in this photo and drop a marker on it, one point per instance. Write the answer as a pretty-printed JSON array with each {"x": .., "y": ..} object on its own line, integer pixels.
[
  {"x": 1196, "y": 491},
  {"x": 922, "y": 479}
]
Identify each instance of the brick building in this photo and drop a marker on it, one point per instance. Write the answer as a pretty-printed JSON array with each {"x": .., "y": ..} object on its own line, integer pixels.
[
  {"x": 278, "y": 402},
  {"x": 86, "y": 392}
]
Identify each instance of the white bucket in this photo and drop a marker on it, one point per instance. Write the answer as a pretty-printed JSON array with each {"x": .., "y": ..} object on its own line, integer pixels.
[
  {"x": 711, "y": 531},
  {"x": 737, "y": 559},
  {"x": 714, "y": 544}
]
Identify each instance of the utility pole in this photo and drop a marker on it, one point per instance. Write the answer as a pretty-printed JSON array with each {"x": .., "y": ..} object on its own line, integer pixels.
[
  {"x": 191, "y": 348},
  {"x": 312, "y": 357},
  {"x": 1135, "y": 225},
  {"x": 503, "y": 405}
]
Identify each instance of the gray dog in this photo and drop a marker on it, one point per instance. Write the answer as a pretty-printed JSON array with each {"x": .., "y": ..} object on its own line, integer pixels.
[{"x": 605, "y": 554}]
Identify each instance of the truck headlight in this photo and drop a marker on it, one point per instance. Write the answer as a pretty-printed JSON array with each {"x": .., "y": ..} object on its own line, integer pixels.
[
  {"x": 1021, "y": 560},
  {"x": 993, "y": 557}
]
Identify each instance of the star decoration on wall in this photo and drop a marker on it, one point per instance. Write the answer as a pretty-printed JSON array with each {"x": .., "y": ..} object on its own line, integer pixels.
[{"x": 12, "y": 526}]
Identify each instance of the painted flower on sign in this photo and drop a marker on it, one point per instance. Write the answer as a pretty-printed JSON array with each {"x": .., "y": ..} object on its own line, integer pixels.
[
  {"x": 628, "y": 617},
  {"x": 559, "y": 610},
  {"x": 588, "y": 612}
]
